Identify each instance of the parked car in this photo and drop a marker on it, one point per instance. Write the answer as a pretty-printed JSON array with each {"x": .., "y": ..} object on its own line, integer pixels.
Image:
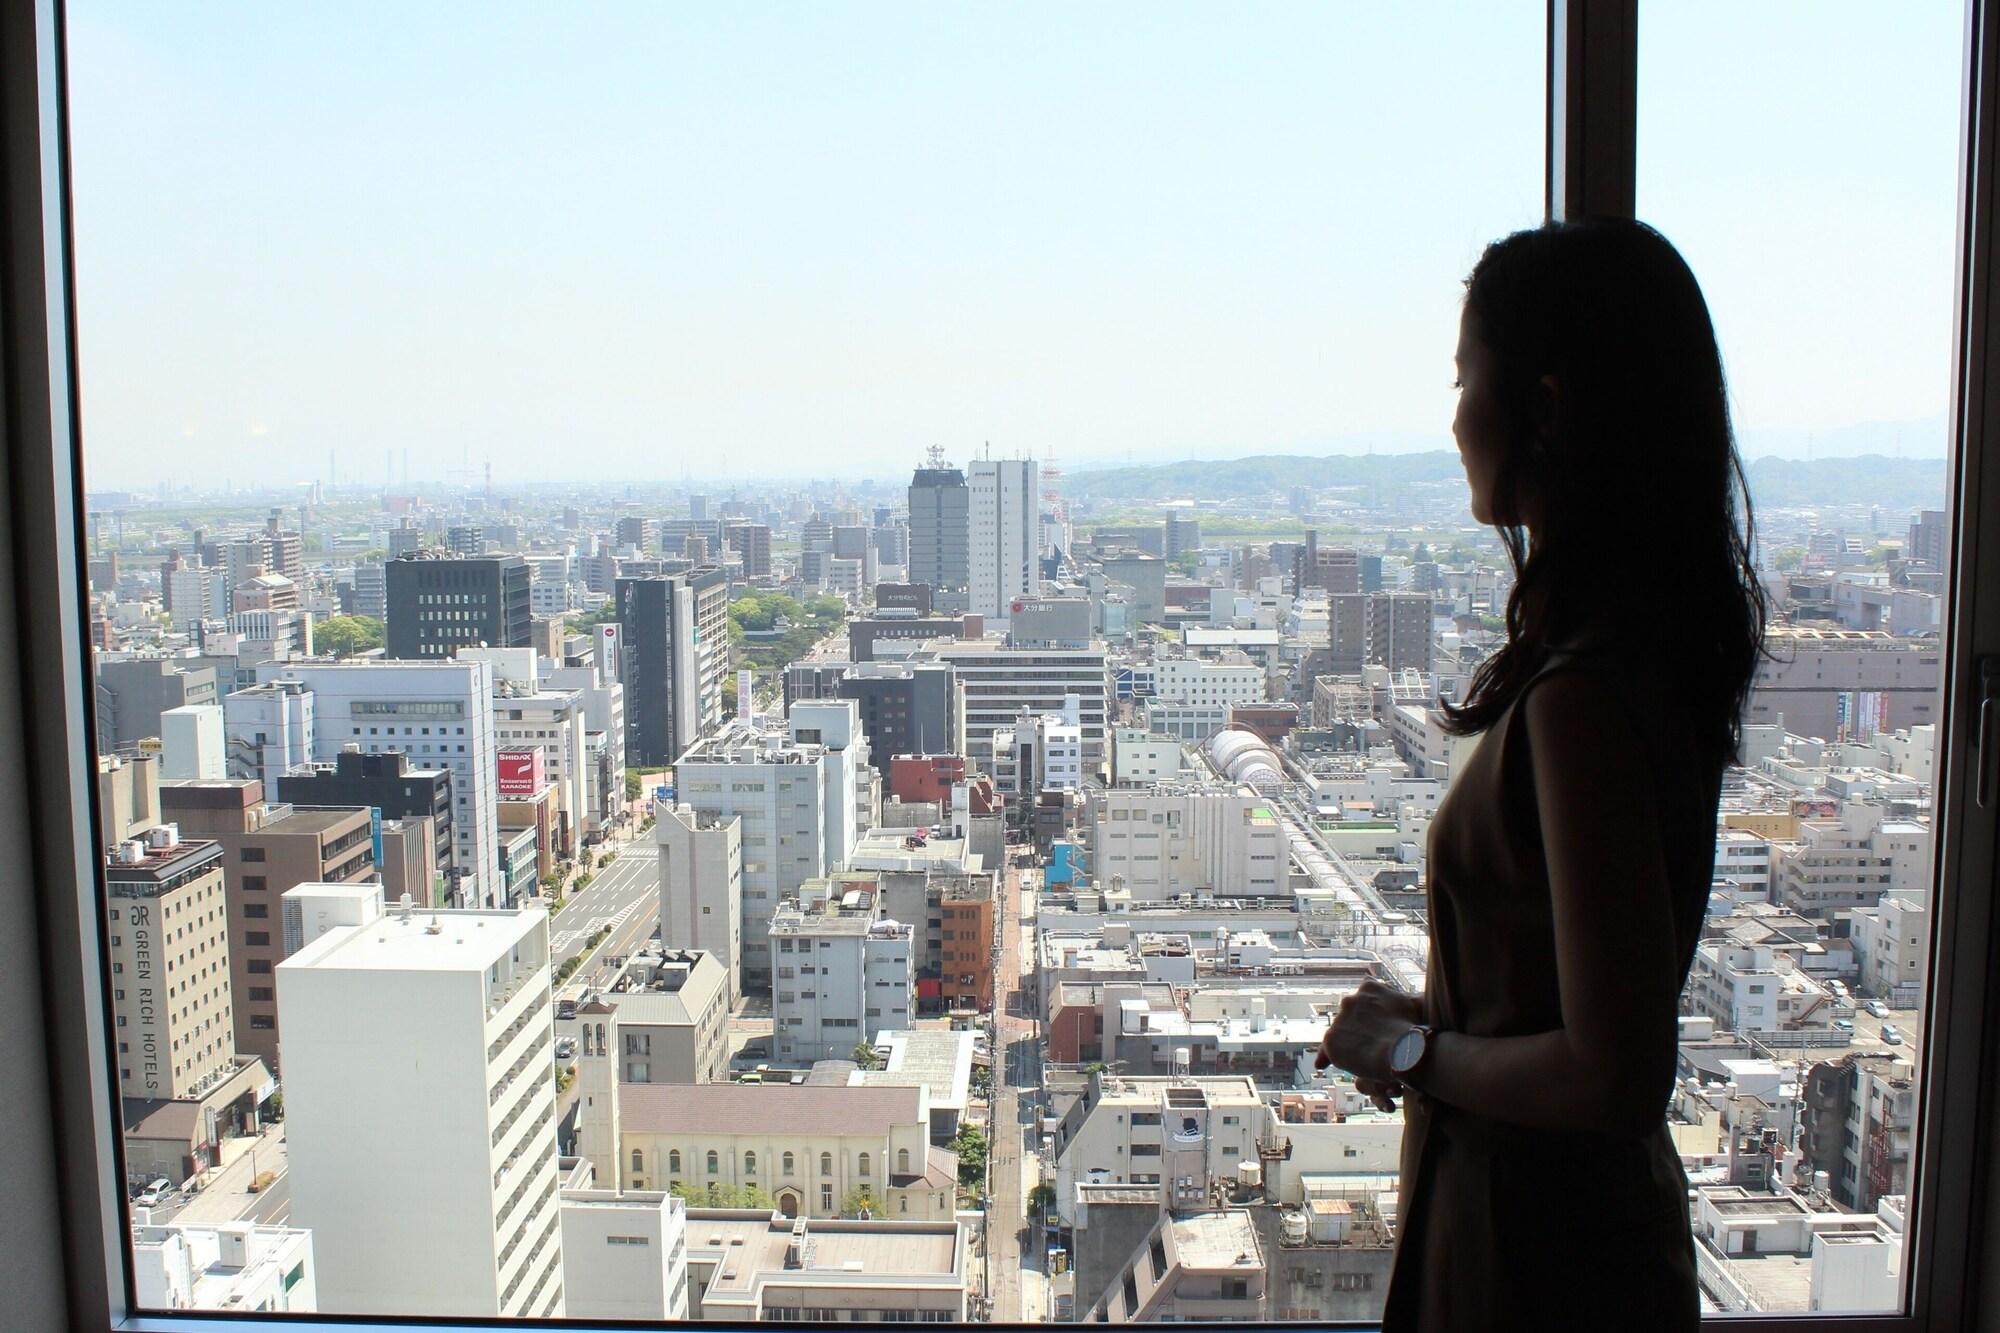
[
  {"x": 566, "y": 1047},
  {"x": 565, "y": 1008},
  {"x": 1890, "y": 1036},
  {"x": 1845, "y": 1025},
  {"x": 154, "y": 1191},
  {"x": 1879, "y": 1009}
]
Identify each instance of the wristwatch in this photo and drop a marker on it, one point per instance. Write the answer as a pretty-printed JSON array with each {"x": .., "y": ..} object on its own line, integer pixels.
[{"x": 1410, "y": 1050}]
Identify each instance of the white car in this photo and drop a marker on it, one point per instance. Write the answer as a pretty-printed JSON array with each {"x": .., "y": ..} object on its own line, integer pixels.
[
  {"x": 1890, "y": 1036},
  {"x": 1879, "y": 1009}
]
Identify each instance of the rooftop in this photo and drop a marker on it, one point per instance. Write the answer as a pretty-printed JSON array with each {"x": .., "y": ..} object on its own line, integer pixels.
[
  {"x": 940, "y": 1061},
  {"x": 766, "y": 1108},
  {"x": 440, "y": 940},
  {"x": 746, "y": 1245},
  {"x": 1220, "y": 1240}
]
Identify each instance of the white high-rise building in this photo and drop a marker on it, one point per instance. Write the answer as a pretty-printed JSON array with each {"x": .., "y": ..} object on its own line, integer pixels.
[
  {"x": 420, "y": 1113},
  {"x": 267, "y": 731},
  {"x": 701, "y": 886},
  {"x": 438, "y": 713},
  {"x": 777, "y": 787},
  {"x": 852, "y": 790},
  {"x": 1003, "y": 542}
]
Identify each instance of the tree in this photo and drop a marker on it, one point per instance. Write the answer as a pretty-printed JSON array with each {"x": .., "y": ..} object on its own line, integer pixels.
[
  {"x": 1041, "y": 1196},
  {"x": 634, "y": 788},
  {"x": 827, "y": 607},
  {"x": 867, "y": 1057},
  {"x": 856, "y": 1199},
  {"x": 971, "y": 1146},
  {"x": 717, "y": 1195},
  {"x": 344, "y": 636}
]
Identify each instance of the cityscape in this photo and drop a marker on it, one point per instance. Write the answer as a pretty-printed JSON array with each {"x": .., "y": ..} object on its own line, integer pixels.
[{"x": 919, "y": 898}]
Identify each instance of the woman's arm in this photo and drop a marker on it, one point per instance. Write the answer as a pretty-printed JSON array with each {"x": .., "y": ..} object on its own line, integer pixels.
[{"x": 1609, "y": 1067}]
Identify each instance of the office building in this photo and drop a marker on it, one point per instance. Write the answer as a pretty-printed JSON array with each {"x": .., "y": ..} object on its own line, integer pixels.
[
  {"x": 752, "y": 541},
  {"x": 390, "y": 783},
  {"x": 701, "y": 886},
  {"x": 777, "y": 788},
  {"x": 131, "y": 695},
  {"x": 999, "y": 681},
  {"x": 449, "y": 1011},
  {"x": 267, "y": 732},
  {"x": 1400, "y": 631},
  {"x": 675, "y": 655},
  {"x": 1193, "y": 838},
  {"x": 940, "y": 517},
  {"x": 439, "y": 605},
  {"x": 191, "y": 742},
  {"x": 1844, "y": 684},
  {"x": 1003, "y": 542},
  {"x": 440, "y": 714},
  {"x": 906, "y": 708}
]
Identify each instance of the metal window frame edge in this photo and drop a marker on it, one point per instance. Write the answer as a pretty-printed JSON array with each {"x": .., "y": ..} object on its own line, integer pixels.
[{"x": 1592, "y": 117}]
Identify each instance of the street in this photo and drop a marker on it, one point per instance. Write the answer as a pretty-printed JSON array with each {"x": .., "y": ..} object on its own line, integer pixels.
[
  {"x": 1015, "y": 1272},
  {"x": 624, "y": 895}
]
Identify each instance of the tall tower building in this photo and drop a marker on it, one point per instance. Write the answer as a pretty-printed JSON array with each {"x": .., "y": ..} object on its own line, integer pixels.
[
  {"x": 452, "y": 1210},
  {"x": 1004, "y": 534},
  {"x": 676, "y": 655},
  {"x": 939, "y": 513}
]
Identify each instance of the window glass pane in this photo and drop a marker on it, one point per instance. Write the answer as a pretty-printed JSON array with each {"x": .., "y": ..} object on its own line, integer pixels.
[
  {"x": 480, "y": 403},
  {"x": 1804, "y": 157}
]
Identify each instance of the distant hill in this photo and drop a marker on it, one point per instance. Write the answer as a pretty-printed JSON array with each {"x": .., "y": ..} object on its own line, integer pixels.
[{"x": 1895, "y": 483}]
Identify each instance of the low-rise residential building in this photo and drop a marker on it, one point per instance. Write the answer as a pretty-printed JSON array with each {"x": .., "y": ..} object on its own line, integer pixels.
[
  {"x": 1756, "y": 988},
  {"x": 1892, "y": 947}
]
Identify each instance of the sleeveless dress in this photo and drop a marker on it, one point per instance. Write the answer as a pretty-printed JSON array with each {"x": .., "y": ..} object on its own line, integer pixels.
[{"x": 1505, "y": 1226}]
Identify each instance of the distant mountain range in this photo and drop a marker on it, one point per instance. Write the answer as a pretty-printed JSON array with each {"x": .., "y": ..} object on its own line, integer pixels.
[{"x": 1895, "y": 483}]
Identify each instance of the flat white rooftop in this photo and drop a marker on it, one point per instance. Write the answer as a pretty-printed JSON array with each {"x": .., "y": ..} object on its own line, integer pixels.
[{"x": 445, "y": 940}]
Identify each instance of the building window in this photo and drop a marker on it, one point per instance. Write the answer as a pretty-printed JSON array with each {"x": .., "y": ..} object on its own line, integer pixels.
[
  {"x": 749, "y": 1163},
  {"x": 826, "y": 1164},
  {"x": 714, "y": 1161},
  {"x": 638, "y": 1160},
  {"x": 674, "y": 1161},
  {"x": 902, "y": 1161},
  {"x": 785, "y": 1164}
]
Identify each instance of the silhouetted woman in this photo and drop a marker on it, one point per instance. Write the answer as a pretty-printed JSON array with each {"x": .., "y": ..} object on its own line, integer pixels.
[{"x": 1569, "y": 864}]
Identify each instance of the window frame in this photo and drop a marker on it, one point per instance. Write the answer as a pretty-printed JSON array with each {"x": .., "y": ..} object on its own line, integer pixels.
[{"x": 74, "y": 1172}]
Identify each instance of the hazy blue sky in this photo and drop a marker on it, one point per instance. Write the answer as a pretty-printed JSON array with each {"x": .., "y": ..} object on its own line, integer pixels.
[{"x": 760, "y": 240}]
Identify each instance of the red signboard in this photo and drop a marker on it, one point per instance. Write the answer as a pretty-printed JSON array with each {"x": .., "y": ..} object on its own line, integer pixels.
[{"x": 520, "y": 772}]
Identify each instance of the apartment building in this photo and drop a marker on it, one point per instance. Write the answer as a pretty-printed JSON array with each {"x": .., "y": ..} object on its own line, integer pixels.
[
  {"x": 482, "y": 1156},
  {"x": 843, "y": 975},
  {"x": 1037, "y": 753},
  {"x": 1852, "y": 861},
  {"x": 1892, "y": 946},
  {"x": 267, "y": 732},
  {"x": 1757, "y": 988},
  {"x": 625, "y": 1252}
]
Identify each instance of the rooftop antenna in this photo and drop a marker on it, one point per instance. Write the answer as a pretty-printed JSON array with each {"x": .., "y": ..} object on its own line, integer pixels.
[{"x": 935, "y": 456}]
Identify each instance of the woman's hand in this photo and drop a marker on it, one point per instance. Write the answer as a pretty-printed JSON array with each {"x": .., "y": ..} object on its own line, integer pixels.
[{"x": 1365, "y": 1030}]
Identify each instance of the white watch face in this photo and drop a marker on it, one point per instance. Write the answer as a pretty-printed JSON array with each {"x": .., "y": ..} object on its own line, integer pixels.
[{"x": 1407, "y": 1051}]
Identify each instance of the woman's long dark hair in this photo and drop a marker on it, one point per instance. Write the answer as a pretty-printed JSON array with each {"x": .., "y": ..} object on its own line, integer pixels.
[{"x": 1630, "y": 468}]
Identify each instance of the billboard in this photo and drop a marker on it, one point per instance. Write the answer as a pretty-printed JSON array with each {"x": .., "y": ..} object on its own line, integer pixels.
[{"x": 520, "y": 771}]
